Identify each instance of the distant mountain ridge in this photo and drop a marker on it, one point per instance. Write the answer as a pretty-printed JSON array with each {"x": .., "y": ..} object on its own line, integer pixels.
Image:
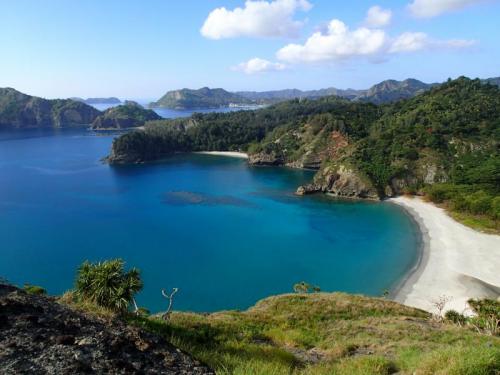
[
  {"x": 20, "y": 110},
  {"x": 384, "y": 92}
]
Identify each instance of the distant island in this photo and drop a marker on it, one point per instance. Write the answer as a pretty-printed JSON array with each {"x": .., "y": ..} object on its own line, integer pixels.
[
  {"x": 128, "y": 115},
  {"x": 111, "y": 100},
  {"x": 18, "y": 110},
  {"x": 202, "y": 98}
]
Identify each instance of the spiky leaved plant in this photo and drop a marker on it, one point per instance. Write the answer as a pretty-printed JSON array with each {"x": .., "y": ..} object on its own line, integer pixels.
[{"x": 107, "y": 284}]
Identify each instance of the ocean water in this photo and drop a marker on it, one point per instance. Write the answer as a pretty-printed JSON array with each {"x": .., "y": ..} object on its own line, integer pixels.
[{"x": 224, "y": 233}]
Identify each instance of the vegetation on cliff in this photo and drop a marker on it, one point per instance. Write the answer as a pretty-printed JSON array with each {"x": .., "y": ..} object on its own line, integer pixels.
[{"x": 18, "y": 110}]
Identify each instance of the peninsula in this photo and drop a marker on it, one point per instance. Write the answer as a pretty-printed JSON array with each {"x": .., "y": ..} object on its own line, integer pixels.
[{"x": 18, "y": 110}]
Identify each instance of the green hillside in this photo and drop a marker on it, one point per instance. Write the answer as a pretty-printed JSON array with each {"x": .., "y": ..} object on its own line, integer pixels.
[
  {"x": 329, "y": 333},
  {"x": 18, "y": 110},
  {"x": 127, "y": 115},
  {"x": 444, "y": 142}
]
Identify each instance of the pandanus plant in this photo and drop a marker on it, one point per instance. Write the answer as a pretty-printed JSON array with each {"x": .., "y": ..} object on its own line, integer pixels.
[{"x": 107, "y": 284}]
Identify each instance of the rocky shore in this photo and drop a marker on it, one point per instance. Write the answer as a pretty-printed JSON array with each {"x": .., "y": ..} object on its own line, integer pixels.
[{"x": 40, "y": 336}]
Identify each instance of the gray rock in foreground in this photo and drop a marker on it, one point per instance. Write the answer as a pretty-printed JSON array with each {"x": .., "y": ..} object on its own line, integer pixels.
[{"x": 40, "y": 336}]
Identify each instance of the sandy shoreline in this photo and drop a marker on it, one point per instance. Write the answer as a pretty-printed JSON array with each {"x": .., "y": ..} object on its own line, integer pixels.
[
  {"x": 233, "y": 154},
  {"x": 456, "y": 261}
]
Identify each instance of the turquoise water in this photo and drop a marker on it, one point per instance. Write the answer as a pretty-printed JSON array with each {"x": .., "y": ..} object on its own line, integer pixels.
[{"x": 224, "y": 233}]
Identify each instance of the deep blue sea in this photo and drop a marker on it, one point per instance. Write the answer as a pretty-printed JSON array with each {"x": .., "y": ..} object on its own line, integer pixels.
[{"x": 224, "y": 233}]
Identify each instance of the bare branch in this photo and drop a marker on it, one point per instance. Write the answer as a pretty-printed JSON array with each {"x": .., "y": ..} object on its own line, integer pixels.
[{"x": 170, "y": 297}]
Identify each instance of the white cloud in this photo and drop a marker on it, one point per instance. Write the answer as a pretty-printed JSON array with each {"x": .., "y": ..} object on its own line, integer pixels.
[
  {"x": 257, "y": 65},
  {"x": 433, "y": 8},
  {"x": 413, "y": 42},
  {"x": 409, "y": 42},
  {"x": 339, "y": 43},
  {"x": 256, "y": 19},
  {"x": 378, "y": 17}
]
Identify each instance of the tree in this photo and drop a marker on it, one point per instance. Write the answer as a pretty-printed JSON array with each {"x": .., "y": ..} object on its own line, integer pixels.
[{"x": 107, "y": 284}]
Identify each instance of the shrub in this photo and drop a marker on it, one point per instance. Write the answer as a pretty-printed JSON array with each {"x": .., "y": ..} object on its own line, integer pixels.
[
  {"x": 495, "y": 208},
  {"x": 479, "y": 202},
  {"x": 459, "y": 203},
  {"x": 488, "y": 315},
  {"x": 34, "y": 289},
  {"x": 455, "y": 317},
  {"x": 439, "y": 193},
  {"x": 304, "y": 287},
  {"x": 107, "y": 284}
]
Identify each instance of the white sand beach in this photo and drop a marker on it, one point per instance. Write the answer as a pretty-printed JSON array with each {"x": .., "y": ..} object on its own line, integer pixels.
[
  {"x": 457, "y": 262},
  {"x": 233, "y": 154}
]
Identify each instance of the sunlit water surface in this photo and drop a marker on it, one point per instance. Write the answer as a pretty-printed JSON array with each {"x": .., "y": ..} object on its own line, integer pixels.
[{"x": 224, "y": 233}]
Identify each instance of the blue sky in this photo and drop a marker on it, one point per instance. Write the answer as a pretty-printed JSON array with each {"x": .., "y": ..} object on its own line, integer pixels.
[{"x": 141, "y": 49}]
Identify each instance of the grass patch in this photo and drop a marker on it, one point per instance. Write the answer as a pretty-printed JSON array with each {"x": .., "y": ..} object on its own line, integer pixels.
[
  {"x": 328, "y": 333},
  {"x": 478, "y": 222}
]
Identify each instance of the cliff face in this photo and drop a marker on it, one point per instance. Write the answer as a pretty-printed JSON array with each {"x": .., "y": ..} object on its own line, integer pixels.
[
  {"x": 18, "y": 110},
  {"x": 129, "y": 115},
  {"x": 40, "y": 336},
  {"x": 342, "y": 182}
]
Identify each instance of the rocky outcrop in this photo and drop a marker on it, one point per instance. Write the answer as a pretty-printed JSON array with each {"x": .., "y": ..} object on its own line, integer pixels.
[
  {"x": 18, "y": 110},
  {"x": 340, "y": 182},
  {"x": 264, "y": 158},
  {"x": 40, "y": 336}
]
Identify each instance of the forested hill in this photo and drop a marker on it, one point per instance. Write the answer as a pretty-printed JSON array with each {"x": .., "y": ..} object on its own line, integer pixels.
[
  {"x": 202, "y": 98},
  {"x": 127, "y": 115},
  {"x": 448, "y": 135},
  {"x": 18, "y": 110}
]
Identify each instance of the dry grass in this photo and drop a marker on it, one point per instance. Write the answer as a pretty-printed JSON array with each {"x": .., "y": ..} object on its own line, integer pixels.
[{"x": 329, "y": 334}]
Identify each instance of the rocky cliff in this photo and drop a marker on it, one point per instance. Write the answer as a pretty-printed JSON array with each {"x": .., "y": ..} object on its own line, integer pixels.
[
  {"x": 40, "y": 336},
  {"x": 18, "y": 110},
  {"x": 342, "y": 182}
]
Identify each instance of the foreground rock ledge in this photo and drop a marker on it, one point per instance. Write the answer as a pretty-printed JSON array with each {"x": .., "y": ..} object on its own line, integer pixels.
[{"x": 40, "y": 336}]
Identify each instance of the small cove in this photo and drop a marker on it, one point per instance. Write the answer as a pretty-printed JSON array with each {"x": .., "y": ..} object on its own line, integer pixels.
[{"x": 224, "y": 233}]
